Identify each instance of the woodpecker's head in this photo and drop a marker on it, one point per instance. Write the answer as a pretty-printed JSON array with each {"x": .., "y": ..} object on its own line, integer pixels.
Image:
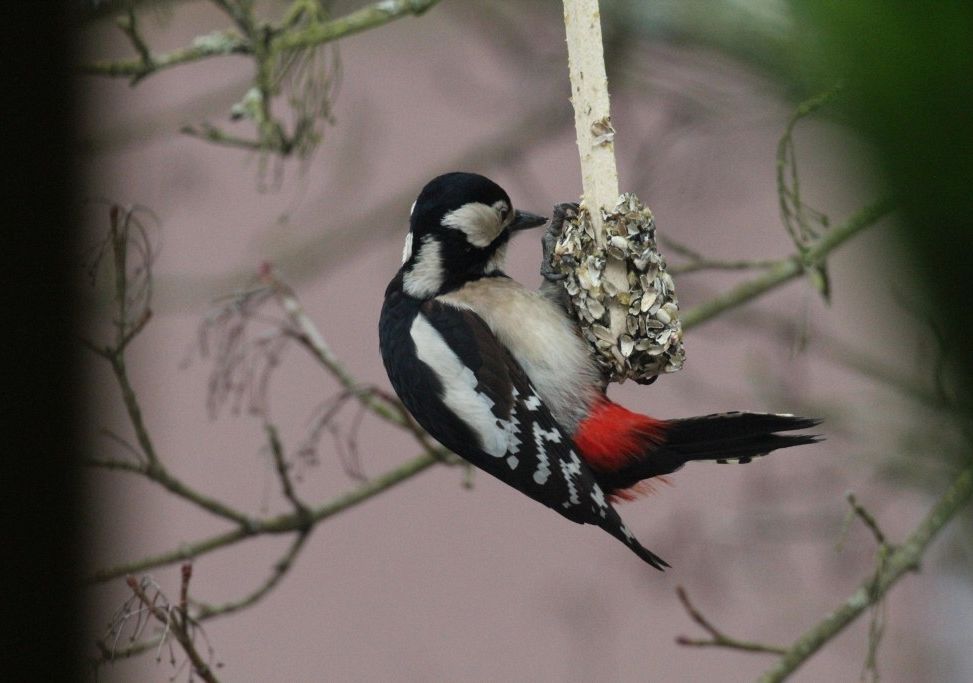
[{"x": 458, "y": 231}]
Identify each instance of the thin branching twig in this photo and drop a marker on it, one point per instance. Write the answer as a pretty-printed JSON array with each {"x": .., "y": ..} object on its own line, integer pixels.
[
  {"x": 717, "y": 637},
  {"x": 903, "y": 559},
  {"x": 290, "y": 61}
]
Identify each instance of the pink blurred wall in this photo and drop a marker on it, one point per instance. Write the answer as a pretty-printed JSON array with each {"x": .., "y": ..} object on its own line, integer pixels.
[{"x": 432, "y": 581}]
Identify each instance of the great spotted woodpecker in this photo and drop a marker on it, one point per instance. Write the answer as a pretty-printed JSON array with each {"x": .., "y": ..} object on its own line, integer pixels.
[{"x": 499, "y": 374}]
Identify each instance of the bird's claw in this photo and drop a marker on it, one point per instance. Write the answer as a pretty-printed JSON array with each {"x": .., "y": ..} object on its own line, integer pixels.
[{"x": 551, "y": 236}]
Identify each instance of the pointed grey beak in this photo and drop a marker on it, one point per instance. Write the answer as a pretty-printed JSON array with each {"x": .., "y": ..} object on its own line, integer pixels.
[{"x": 523, "y": 220}]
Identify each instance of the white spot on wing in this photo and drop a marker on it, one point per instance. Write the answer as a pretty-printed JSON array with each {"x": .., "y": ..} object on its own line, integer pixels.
[
  {"x": 628, "y": 534},
  {"x": 541, "y": 437},
  {"x": 570, "y": 470},
  {"x": 511, "y": 428},
  {"x": 598, "y": 496},
  {"x": 459, "y": 387}
]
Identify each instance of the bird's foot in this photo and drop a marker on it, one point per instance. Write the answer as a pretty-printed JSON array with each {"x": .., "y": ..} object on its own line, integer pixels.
[{"x": 550, "y": 238}]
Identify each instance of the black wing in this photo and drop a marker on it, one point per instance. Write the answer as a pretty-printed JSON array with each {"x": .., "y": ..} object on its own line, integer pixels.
[{"x": 506, "y": 429}]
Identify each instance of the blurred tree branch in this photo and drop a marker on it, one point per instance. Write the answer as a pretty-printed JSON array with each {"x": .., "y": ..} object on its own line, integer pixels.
[
  {"x": 176, "y": 621},
  {"x": 264, "y": 42},
  {"x": 280, "y": 37},
  {"x": 894, "y": 562},
  {"x": 129, "y": 246},
  {"x": 717, "y": 637},
  {"x": 296, "y": 325},
  {"x": 283, "y": 49},
  {"x": 898, "y": 562},
  {"x": 789, "y": 268}
]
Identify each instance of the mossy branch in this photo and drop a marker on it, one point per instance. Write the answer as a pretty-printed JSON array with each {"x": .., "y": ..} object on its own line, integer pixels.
[
  {"x": 277, "y": 48},
  {"x": 231, "y": 42},
  {"x": 900, "y": 561},
  {"x": 789, "y": 268}
]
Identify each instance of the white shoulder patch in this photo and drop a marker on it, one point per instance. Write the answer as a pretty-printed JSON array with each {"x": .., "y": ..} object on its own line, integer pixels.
[
  {"x": 407, "y": 248},
  {"x": 459, "y": 386}
]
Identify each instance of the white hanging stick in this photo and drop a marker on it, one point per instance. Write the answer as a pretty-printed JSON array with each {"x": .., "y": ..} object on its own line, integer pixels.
[{"x": 592, "y": 123}]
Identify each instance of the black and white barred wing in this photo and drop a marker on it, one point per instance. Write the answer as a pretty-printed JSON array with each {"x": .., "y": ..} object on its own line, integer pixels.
[{"x": 505, "y": 428}]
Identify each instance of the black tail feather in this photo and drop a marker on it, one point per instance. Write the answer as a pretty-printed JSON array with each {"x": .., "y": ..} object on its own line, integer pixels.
[
  {"x": 625, "y": 536},
  {"x": 721, "y": 437}
]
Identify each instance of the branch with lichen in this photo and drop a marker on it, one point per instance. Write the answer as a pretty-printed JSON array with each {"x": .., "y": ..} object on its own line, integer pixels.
[
  {"x": 285, "y": 36},
  {"x": 278, "y": 49},
  {"x": 894, "y": 562},
  {"x": 789, "y": 268}
]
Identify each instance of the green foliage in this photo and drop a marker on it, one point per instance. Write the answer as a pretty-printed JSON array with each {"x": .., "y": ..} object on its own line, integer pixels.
[{"x": 908, "y": 68}]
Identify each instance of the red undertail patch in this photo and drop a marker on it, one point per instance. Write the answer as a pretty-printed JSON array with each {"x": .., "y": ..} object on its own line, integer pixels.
[
  {"x": 642, "y": 488},
  {"x": 612, "y": 437}
]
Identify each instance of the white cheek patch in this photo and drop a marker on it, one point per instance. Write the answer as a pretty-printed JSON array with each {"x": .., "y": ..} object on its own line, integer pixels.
[
  {"x": 407, "y": 248},
  {"x": 426, "y": 276},
  {"x": 459, "y": 388},
  {"x": 479, "y": 222}
]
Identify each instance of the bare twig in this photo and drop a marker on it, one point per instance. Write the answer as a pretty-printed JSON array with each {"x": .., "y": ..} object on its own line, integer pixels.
[
  {"x": 717, "y": 637},
  {"x": 796, "y": 216},
  {"x": 177, "y": 623},
  {"x": 715, "y": 264},
  {"x": 867, "y": 519},
  {"x": 803, "y": 224},
  {"x": 160, "y": 475},
  {"x": 280, "y": 463},
  {"x": 789, "y": 268},
  {"x": 280, "y": 524},
  {"x": 210, "y": 133},
  {"x": 281, "y": 567},
  {"x": 132, "y": 299},
  {"x": 305, "y": 332},
  {"x": 698, "y": 262},
  {"x": 129, "y": 26},
  {"x": 903, "y": 559},
  {"x": 201, "y": 612},
  {"x": 303, "y": 27}
]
